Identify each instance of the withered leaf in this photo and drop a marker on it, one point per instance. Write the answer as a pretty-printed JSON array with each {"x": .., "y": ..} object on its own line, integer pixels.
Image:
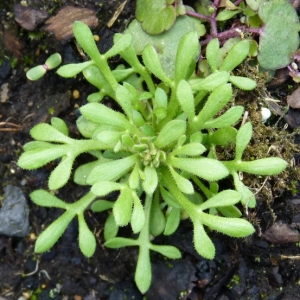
[{"x": 61, "y": 25}]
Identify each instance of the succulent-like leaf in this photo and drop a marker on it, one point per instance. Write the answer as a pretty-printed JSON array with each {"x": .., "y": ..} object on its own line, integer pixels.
[
  {"x": 36, "y": 73},
  {"x": 86, "y": 239},
  {"x": 170, "y": 133},
  {"x": 169, "y": 198},
  {"x": 243, "y": 83},
  {"x": 243, "y": 138},
  {"x": 203, "y": 244},
  {"x": 234, "y": 227},
  {"x": 168, "y": 251},
  {"x": 236, "y": 55},
  {"x": 143, "y": 274},
  {"x": 60, "y": 125},
  {"x": 205, "y": 168},
  {"x": 118, "y": 242},
  {"x": 47, "y": 133},
  {"x": 61, "y": 174},
  {"x": 157, "y": 218},
  {"x": 120, "y": 45},
  {"x": 71, "y": 70},
  {"x": 173, "y": 220},
  {"x": 102, "y": 205},
  {"x": 86, "y": 40},
  {"x": 216, "y": 101},
  {"x": 53, "y": 61},
  {"x": 231, "y": 116},
  {"x": 138, "y": 215},
  {"x": 53, "y": 232},
  {"x": 264, "y": 166},
  {"x": 192, "y": 149},
  {"x": 223, "y": 136},
  {"x": 43, "y": 198},
  {"x": 182, "y": 183},
  {"x": 212, "y": 51},
  {"x": 224, "y": 198},
  {"x": 124, "y": 98},
  {"x": 186, "y": 98},
  {"x": 102, "y": 188},
  {"x": 187, "y": 55},
  {"x": 110, "y": 228},
  {"x": 112, "y": 170},
  {"x": 151, "y": 180},
  {"x": 211, "y": 82},
  {"x": 122, "y": 209}
]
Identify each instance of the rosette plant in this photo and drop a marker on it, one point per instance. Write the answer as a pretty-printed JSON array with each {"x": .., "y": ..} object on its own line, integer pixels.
[{"x": 158, "y": 151}]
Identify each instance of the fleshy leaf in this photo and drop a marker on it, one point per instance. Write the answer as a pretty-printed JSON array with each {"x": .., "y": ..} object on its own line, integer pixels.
[
  {"x": 173, "y": 220},
  {"x": 143, "y": 274},
  {"x": 168, "y": 251},
  {"x": 45, "y": 199},
  {"x": 182, "y": 183},
  {"x": 243, "y": 138},
  {"x": 212, "y": 51},
  {"x": 192, "y": 149},
  {"x": 102, "y": 188},
  {"x": 101, "y": 205},
  {"x": 87, "y": 241},
  {"x": 71, "y": 70},
  {"x": 138, "y": 215},
  {"x": 205, "y": 168},
  {"x": 243, "y": 83},
  {"x": 151, "y": 180},
  {"x": 186, "y": 98},
  {"x": 122, "y": 209},
  {"x": 110, "y": 228},
  {"x": 47, "y": 133}
]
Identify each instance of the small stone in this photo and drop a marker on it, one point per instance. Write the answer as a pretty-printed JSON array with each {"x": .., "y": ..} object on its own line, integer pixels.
[
  {"x": 294, "y": 99},
  {"x": 281, "y": 233},
  {"x": 14, "y": 213},
  {"x": 29, "y": 18}
]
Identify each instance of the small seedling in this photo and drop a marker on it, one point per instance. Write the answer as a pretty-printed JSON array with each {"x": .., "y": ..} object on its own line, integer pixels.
[{"x": 39, "y": 71}]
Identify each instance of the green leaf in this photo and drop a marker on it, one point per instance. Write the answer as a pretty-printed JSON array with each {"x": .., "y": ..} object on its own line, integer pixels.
[
  {"x": 203, "y": 244},
  {"x": 37, "y": 158},
  {"x": 169, "y": 198},
  {"x": 186, "y": 98},
  {"x": 112, "y": 170},
  {"x": 215, "y": 102},
  {"x": 223, "y": 136},
  {"x": 151, "y": 61},
  {"x": 212, "y": 51},
  {"x": 227, "y": 14},
  {"x": 151, "y": 180},
  {"x": 124, "y": 98},
  {"x": 173, "y": 220},
  {"x": 187, "y": 55},
  {"x": 110, "y": 229},
  {"x": 134, "y": 177},
  {"x": 157, "y": 218},
  {"x": 87, "y": 241},
  {"x": 60, "y": 125},
  {"x": 101, "y": 205},
  {"x": 120, "y": 45},
  {"x": 102, "y": 188},
  {"x": 211, "y": 82},
  {"x": 53, "y": 232},
  {"x": 243, "y": 83},
  {"x": 182, "y": 183},
  {"x": 224, "y": 198},
  {"x": 36, "y": 72},
  {"x": 53, "y": 61},
  {"x": 205, "y": 168},
  {"x": 230, "y": 211},
  {"x": 243, "y": 138},
  {"x": 192, "y": 149},
  {"x": 138, "y": 215},
  {"x": 47, "y": 133},
  {"x": 45, "y": 199},
  {"x": 122, "y": 209},
  {"x": 86, "y": 40},
  {"x": 71, "y": 70},
  {"x": 264, "y": 166},
  {"x": 143, "y": 275},
  {"x": 231, "y": 116},
  {"x": 155, "y": 16},
  {"x": 170, "y": 133},
  {"x": 236, "y": 55},
  {"x": 120, "y": 242},
  {"x": 101, "y": 114},
  {"x": 61, "y": 174},
  {"x": 168, "y": 251},
  {"x": 233, "y": 227}
]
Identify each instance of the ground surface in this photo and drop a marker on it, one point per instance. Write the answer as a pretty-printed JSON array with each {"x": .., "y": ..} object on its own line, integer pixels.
[{"x": 243, "y": 269}]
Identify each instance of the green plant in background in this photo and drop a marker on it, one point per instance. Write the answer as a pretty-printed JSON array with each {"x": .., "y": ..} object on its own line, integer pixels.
[
  {"x": 159, "y": 152},
  {"x": 39, "y": 71},
  {"x": 275, "y": 22}
]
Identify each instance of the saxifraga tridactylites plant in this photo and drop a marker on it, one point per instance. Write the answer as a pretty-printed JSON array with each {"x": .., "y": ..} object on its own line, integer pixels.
[{"x": 159, "y": 152}]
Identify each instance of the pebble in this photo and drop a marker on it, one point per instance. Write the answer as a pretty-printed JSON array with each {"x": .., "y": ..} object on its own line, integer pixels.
[{"x": 14, "y": 213}]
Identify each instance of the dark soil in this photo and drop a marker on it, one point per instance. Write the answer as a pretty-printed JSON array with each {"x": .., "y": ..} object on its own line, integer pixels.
[{"x": 251, "y": 268}]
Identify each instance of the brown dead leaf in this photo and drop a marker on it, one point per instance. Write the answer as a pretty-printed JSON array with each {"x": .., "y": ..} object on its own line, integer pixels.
[
  {"x": 61, "y": 25},
  {"x": 294, "y": 99}
]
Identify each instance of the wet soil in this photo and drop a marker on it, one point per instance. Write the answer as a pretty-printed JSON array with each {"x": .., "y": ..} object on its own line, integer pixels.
[{"x": 251, "y": 268}]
